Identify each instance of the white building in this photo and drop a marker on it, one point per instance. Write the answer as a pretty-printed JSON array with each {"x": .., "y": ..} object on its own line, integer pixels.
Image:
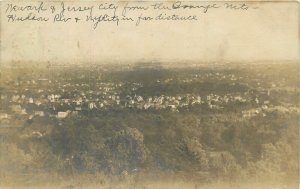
[{"x": 62, "y": 114}]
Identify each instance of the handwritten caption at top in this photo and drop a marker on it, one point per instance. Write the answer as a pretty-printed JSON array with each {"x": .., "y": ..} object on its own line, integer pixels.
[{"x": 97, "y": 13}]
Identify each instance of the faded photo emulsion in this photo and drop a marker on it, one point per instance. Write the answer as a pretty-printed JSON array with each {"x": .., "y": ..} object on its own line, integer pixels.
[{"x": 149, "y": 94}]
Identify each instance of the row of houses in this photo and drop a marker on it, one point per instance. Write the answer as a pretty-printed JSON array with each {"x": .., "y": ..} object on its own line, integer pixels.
[
  {"x": 264, "y": 110},
  {"x": 136, "y": 99},
  {"x": 55, "y": 106}
]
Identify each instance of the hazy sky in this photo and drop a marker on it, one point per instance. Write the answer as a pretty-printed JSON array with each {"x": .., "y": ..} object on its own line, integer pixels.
[{"x": 267, "y": 33}]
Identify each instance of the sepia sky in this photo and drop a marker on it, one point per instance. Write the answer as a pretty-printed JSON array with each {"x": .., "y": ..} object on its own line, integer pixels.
[{"x": 267, "y": 33}]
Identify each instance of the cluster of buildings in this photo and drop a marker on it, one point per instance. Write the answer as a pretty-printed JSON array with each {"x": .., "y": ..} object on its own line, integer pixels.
[
  {"x": 72, "y": 99},
  {"x": 61, "y": 97}
]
